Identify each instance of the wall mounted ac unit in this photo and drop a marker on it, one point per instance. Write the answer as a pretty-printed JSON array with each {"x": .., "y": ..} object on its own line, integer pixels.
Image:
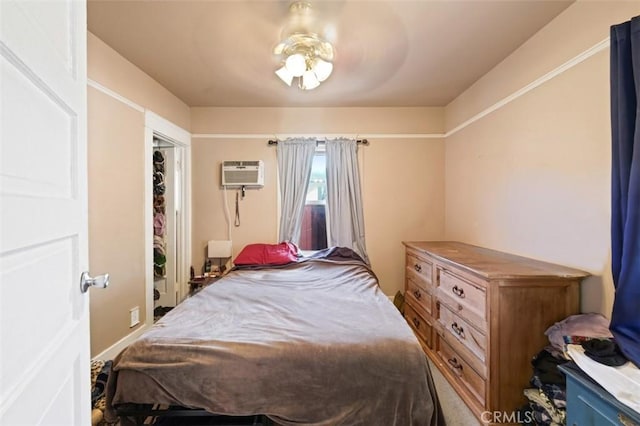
[{"x": 243, "y": 173}]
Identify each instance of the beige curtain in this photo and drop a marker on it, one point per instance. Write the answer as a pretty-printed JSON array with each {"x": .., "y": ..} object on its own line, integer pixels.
[
  {"x": 344, "y": 198},
  {"x": 295, "y": 157}
]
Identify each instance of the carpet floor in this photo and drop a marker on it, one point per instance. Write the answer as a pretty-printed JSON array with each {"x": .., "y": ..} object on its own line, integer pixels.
[{"x": 456, "y": 412}]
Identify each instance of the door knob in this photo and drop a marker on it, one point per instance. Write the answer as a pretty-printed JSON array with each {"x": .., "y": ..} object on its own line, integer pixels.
[{"x": 86, "y": 281}]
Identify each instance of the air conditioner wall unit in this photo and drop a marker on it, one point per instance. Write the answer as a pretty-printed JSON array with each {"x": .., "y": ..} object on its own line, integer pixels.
[{"x": 243, "y": 173}]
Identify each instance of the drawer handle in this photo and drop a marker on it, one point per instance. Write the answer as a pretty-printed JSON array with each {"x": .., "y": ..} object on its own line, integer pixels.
[
  {"x": 625, "y": 421},
  {"x": 453, "y": 362},
  {"x": 417, "y": 294},
  {"x": 457, "y": 329},
  {"x": 458, "y": 291},
  {"x": 416, "y": 322},
  {"x": 417, "y": 267}
]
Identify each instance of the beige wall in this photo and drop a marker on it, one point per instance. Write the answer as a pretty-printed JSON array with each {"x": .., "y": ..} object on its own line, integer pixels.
[
  {"x": 116, "y": 186},
  {"x": 532, "y": 177},
  {"x": 113, "y": 71},
  {"x": 116, "y": 216},
  {"x": 402, "y": 179},
  {"x": 349, "y": 121}
]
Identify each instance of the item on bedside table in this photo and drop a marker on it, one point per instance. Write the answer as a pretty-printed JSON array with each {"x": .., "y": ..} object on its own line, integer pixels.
[
  {"x": 221, "y": 251},
  {"x": 199, "y": 282},
  {"x": 604, "y": 351}
]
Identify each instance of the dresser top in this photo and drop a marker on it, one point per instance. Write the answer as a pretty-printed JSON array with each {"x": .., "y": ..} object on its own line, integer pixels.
[{"x": 492, "y": 264}]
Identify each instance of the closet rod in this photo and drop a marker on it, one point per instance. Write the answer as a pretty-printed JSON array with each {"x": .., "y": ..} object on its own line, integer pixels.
[{"x": 359, "y": 141}]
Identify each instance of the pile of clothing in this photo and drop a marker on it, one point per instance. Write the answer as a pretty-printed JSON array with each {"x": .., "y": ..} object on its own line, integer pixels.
[
  {"x": 100, "y": 371},
  {"x": 159, "y": 219},
  {"x": 547, "y": 396}
]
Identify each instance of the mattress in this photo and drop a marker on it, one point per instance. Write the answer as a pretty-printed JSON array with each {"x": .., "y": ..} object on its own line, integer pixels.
[{"x": 314, "y": 342}]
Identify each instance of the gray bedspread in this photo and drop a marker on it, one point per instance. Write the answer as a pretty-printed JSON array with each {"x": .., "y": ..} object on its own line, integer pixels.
[{"x": 315, "y": 343}]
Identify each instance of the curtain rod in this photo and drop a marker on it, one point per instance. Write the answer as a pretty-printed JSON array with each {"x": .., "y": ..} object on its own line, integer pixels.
[
  {"x": 324, "y": 136},
  {"x": 359, "y": 141}
]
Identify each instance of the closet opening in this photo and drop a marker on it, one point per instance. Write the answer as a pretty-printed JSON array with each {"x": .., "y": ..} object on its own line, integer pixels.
[
  {"x": 167, "y": 232},
  {"x": 168, "y": 204}
]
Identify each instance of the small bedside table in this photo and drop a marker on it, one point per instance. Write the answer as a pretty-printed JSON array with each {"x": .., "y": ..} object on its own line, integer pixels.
[
  {"x": 198, "y": 283},
  {"x": 588, "y": 404}
]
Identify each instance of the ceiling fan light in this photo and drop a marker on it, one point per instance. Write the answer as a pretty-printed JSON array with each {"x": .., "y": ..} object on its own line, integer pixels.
[
  {"x": 309, "y": 80},
  {"x": 296, "y": 64},
  {"x": 322, "y": 69},
  {"x": 285, "y": 75}
]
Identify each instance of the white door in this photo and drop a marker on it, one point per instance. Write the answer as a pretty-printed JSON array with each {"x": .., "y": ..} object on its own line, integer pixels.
[{"x": 44, "y": 322}]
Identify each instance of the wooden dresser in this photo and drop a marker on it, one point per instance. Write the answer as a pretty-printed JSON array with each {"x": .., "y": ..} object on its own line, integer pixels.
[{"x": 480, "y": 316}]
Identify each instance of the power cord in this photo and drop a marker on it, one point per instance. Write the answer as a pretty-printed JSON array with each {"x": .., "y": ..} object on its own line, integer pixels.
[
  {"x": 227, "y": 213},
  {"x": 237, "y": 219}
]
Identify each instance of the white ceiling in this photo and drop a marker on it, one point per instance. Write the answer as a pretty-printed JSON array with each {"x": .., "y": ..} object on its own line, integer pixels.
[{"x": 388, "y": 52}]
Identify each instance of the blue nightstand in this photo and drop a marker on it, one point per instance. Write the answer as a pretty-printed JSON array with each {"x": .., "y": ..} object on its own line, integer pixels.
[{"x": 588, "y": 404}]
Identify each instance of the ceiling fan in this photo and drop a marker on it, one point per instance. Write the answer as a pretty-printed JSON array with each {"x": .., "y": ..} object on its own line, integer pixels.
[{"x": 304, "y": 53}]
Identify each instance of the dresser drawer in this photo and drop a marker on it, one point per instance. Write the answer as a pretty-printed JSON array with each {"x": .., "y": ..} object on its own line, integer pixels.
[
  {"x": 418, "y": 268},
  {"x": 420, "y": 325},
  {"x": 478, "y": 365},
  {"x": 467, "y": 300},
  {"x": 457, "y": 365},
  {"x": 473, "y": 339},
  {"x": 418, "y": 297},
  {"x": 418, "y": 280}
]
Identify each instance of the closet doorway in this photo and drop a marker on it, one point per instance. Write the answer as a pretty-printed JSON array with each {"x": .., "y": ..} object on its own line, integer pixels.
[{"x": 168, "y": 153}]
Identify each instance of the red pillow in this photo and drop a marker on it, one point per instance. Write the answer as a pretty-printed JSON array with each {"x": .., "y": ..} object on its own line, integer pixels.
[{"x": 267, "y": 254}]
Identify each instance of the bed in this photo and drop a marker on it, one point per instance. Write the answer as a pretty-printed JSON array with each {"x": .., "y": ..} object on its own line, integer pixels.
[{"x": 312, "y": 342}]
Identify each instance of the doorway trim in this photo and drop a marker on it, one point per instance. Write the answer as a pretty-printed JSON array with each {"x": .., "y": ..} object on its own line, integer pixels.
[{"x": 181, "y": 139}]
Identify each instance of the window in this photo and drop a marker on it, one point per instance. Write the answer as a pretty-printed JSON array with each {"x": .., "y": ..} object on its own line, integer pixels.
[{"x": 313, "y": 233}]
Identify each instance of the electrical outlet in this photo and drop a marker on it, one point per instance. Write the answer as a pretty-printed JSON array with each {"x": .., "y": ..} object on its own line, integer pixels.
[{"x": 134, "y": 314}]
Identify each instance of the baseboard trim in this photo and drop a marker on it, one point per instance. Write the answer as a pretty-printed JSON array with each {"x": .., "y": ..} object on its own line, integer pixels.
[{"x": 112, "y": 351}]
